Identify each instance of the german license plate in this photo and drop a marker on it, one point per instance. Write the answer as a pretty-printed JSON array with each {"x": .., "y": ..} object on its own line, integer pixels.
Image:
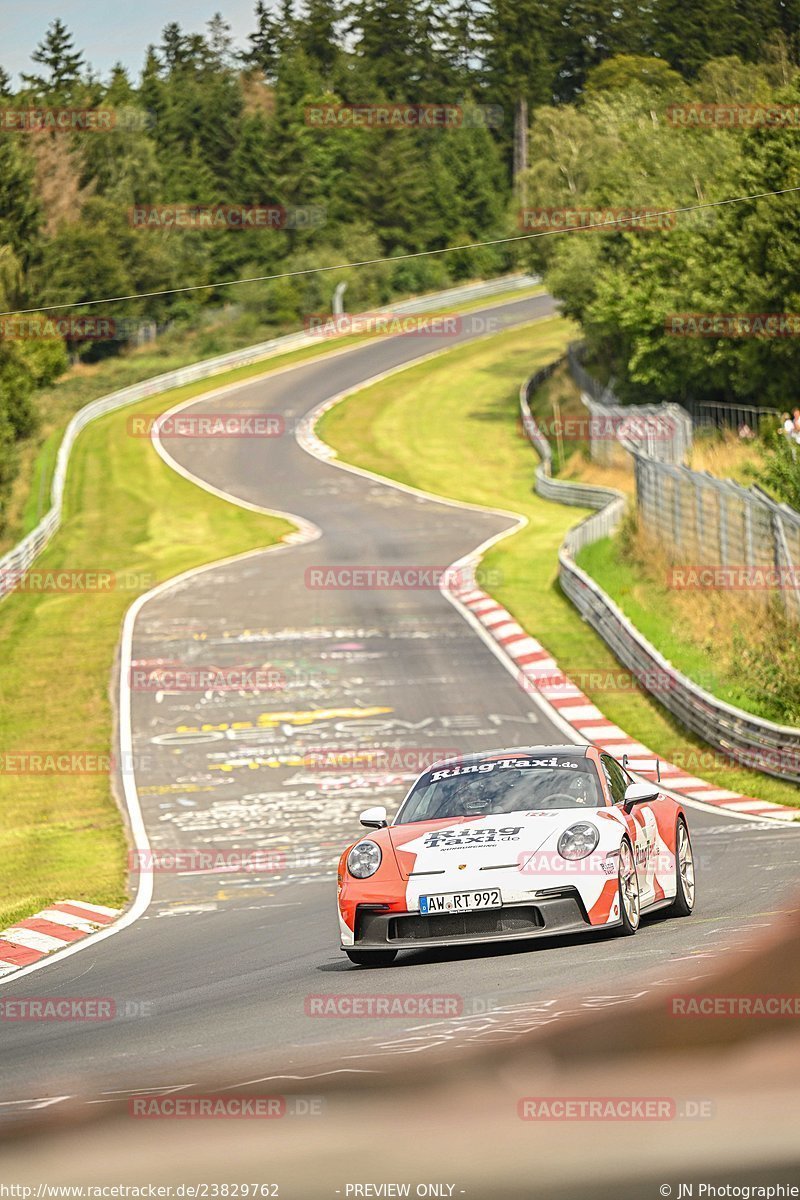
[{"x": 459, "y": 901}]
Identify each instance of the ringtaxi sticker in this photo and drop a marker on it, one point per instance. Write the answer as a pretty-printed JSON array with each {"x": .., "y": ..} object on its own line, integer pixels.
[{"x": 501, "y": 764}]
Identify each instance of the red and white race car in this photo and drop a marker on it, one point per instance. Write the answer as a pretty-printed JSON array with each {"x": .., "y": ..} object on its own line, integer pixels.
[{"x": 512, "y": 844}]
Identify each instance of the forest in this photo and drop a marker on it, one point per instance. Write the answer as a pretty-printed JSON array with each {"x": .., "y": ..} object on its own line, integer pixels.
[{"x": 558, "y": 105}]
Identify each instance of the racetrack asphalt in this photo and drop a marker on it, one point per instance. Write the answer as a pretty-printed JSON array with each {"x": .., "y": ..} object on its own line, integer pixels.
[{"x": 214, "y": 977}]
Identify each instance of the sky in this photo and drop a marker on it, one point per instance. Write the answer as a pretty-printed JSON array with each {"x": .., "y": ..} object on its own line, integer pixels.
[{"x": 108, "y": 32}]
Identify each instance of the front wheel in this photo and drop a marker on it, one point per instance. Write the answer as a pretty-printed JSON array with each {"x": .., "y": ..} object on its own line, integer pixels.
[
  {"x": 683, "y": 903},
  {"x": 629, "y": 900},
  {"x": 372, "y": 958}
]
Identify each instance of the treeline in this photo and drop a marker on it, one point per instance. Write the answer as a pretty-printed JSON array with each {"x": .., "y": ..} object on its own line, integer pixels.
[
  {"x": 706, "y": 307},
  {"x": 206, "y": 123}
]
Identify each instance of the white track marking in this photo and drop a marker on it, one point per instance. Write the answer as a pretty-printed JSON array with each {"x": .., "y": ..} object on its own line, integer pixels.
[
  {"x": 31, "y": 939},
  {"x": 67, "y": 920},
  {"x": 313, "y": 445},
  {"x": 310, "y": 441},
  {"x": 98, "y": 908},
  {"x": 306, "y": 531}
]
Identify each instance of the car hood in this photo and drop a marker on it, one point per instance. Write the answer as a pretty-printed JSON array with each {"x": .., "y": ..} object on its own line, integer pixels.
[{"x": 507, "y": 840}]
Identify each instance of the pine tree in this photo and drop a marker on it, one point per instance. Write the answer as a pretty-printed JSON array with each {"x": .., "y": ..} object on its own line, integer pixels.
[
  {"x": 393, "y": 51},
  {"x": 688, "y": 37},
  {"x": 220, "y": 43},
  {"x": 317, "y": 35},
  {"x": 264, "y": 42},
  {"x": 63, "y": 65},
  {"x": 461, "y": 40},
  {"x": 20, "y": 214},
  {"x": 517, "y": 72}
]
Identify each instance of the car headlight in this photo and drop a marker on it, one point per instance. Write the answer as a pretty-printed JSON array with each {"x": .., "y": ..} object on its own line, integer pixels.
[
  {"x": 364, "y": 859},
  {"x": 578, "y": 840}
]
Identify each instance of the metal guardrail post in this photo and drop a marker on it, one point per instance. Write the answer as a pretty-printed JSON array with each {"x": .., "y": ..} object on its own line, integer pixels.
[
  {"x": 790, "y": 589},
  {"x": 337, "y": 303}
]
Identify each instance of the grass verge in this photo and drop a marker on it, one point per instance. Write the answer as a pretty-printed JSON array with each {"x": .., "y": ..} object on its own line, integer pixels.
[
  {"x": 125, "y": 511},
  {"x": 565, "y": 421},
  {"x": 30, "y": 495},
  {"x": 450, "y": 426},
  {"x": 741, "y": 649}
]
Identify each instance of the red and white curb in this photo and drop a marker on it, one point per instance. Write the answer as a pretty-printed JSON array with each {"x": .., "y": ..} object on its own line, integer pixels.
[
  {"x": 538, "y": 672},
  {"x": 49, "y": 930}
]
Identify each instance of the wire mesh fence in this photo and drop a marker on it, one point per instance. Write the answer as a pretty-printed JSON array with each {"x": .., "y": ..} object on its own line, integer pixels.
[
  {"x": 709, "y": 518},
  {"x": 738, "y": 536},
  {"x": 661, "y": 431}
]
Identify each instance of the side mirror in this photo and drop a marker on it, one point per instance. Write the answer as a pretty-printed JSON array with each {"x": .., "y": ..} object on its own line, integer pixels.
[
  {"x": 640, "y": 793},
  {"x": 374, "y": 818}
]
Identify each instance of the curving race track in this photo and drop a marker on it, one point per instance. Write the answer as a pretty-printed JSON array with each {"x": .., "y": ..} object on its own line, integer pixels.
[{"x": 213, "y": 976}]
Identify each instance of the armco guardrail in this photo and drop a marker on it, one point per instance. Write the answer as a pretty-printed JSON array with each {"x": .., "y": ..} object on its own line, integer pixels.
[
  {"x": 582, "y": 495},
  {"x": 19, "y": 559},
  {"x": 765, "y": 746}
]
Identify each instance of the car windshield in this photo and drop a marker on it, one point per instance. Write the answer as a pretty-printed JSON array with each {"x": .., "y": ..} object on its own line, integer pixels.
[{"x": 502, "y": 786}]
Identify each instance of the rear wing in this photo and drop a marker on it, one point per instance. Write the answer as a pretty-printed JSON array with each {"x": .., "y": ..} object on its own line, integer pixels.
[{"x": 644, "y": 771}]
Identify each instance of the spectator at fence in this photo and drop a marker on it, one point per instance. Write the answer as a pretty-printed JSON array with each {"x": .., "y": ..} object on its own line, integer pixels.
[{"x": 787, "y": 425}]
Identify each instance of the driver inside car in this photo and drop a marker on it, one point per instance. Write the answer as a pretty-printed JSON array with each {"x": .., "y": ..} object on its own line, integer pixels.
[
  {"x": 472, "y": 798},
  {"x": 580, "y": 787}
]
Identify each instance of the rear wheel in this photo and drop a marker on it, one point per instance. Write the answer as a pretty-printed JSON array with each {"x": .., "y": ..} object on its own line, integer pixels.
[
  {"x": 372, "y": 958},
  {"x": 683, "y": 904},
  {"x": 629, "y": 901}
]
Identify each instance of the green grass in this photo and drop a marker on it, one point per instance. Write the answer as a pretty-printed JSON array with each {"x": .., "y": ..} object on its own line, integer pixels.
[
  {"x": 620, "y": 579},
  {"x": 125, "y": 510},
  {"x": 729, "y": 651},
  {"x": 450, "y": 426},
  {"x": 558, "y": 399},
  {"x": 30, "y": 498}
]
